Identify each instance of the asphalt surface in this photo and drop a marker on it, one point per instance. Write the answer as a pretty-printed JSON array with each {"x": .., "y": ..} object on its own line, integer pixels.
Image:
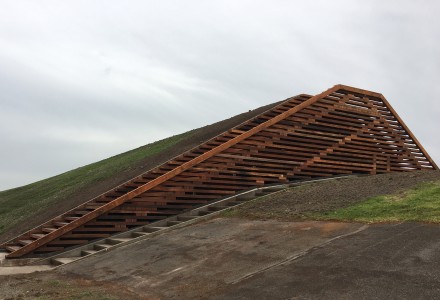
[
  {"x": 196, "y": 261},
  {"x": 248, "y": 259},
  {"x": 382, "y": 262},
  {"x": 242, "y": 259}
]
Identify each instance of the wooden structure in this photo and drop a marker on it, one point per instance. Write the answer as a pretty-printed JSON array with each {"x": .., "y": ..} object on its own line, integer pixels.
[{"x": 341, "y": 131}]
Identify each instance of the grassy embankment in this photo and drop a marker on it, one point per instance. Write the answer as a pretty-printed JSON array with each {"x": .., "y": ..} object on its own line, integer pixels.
[
  {"x": 421, "y": 204},
  {"x": 23, "y": 202}
]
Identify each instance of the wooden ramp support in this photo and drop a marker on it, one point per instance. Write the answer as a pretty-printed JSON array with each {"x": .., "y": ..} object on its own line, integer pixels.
[{"x": 341, "y": 131}]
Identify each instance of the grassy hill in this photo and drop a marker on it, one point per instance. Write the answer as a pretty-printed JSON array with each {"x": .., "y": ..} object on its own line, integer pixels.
[
  {"x": 409, "y": 196},
  {"x": 419, "y": 204},
  {"x": 20, "y": 203},
  {"x": 26, "y": 207}
]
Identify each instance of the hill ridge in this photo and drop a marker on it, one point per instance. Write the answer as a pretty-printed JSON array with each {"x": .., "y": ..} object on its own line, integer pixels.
[
  {"x": 343, "y": 130},
  {"x": 185, "y": 142}
]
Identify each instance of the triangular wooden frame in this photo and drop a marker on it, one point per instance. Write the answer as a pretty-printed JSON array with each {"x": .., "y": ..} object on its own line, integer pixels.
[{"x": 341, "y": 131}]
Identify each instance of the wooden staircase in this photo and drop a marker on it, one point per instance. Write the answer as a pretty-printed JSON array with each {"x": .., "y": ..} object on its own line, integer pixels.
[
  {"x": 160, "y": 227},
  {"x": 341, "y": 131}
]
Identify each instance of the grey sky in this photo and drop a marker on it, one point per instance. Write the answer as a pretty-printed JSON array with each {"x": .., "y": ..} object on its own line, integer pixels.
[{"x": 84, "y": 80}]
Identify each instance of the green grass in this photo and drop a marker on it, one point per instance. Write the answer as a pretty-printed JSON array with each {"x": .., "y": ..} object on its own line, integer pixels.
[
  {"x": 56, "y": 283},
  {"x": 21, "y": 203},
  {"x": 421, "y": 204}
]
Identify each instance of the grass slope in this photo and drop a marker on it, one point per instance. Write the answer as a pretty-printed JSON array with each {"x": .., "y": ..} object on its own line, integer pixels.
[
  {"x": 421, "y": 204},
  {"x": 401, "y": 196},
  {"x": 21, "y": 203}
]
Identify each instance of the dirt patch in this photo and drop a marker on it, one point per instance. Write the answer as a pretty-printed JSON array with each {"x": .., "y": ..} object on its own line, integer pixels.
[
  {"x": 295, "y": 203},
  {"x": 199, "y": 136},
  {"x": 53, "y": 286}
]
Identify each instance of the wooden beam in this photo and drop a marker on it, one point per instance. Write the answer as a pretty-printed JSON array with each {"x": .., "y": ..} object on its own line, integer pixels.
[{"x": 176, "y": 171}]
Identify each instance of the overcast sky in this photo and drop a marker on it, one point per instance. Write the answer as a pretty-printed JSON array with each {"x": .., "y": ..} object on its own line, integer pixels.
[{"x": 84, "y": 80}]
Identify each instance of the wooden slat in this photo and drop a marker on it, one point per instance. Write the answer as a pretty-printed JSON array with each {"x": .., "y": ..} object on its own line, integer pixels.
[{"x": 341, "y": 131}]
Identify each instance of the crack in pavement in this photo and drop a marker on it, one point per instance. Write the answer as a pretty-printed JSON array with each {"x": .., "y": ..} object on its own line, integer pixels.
[{"x": 296, "y": 256}]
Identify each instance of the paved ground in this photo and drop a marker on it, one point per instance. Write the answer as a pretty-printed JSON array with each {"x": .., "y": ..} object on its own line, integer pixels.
[
  {"x": 194, "y": 262},
  {"x": 382, "y": 262},
  {"x": 11, "y": 270},
  {"x": 239, "y": 259},
  {"x": 243, "y": 259},
  {"x": 22, "y": 270}
]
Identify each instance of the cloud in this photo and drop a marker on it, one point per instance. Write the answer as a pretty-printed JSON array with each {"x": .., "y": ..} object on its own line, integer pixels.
[{"x": 84, "y": 80}]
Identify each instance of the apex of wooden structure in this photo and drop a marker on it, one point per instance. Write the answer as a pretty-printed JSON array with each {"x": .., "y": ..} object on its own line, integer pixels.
[
  {"x": 341, "y": 131},
  {"x": 396, "y": 116}
]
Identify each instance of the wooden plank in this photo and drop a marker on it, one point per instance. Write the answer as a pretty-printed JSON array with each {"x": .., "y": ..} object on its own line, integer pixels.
[
  {"x": 108, "y": 206},
  {"x": 340, "y": 131}
]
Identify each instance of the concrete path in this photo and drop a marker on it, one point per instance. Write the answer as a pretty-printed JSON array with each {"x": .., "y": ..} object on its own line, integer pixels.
[
  {"x": 20, "y": 269},
  {"x": 196, "y": 261},
  {"x": 242, "y": 259},
  {"x": 383, "y": 262}
]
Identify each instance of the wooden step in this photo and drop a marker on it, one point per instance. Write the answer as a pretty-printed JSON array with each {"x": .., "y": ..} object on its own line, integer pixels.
[
  {"x": 344, "y": 132},
  {"x": 91, "y": 207},
  {"x": 86, "y": 235},
  {"x": 46, "y": 249},
  {"x": 12, "y": 248},
  {"x": 25, "y": 242},
  {"x": 48, "y": 229},
  {"x": 60, "y": 224},
  {"x": 67, "y": 242},
  {"x": 37, "y": 235},
  {"x": 81, "y": 212},
  {"x": 134, "y": 185}
]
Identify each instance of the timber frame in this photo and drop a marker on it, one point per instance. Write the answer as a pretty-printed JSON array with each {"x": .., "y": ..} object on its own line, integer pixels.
[{"x": 341, "y": 131}]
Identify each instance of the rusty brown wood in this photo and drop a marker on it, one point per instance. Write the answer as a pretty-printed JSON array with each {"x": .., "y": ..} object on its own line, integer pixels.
[
  {"x": 95, "y": 213},
  {"x": 341, "y": 131},
  {"x": 416, "y": 141}
]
